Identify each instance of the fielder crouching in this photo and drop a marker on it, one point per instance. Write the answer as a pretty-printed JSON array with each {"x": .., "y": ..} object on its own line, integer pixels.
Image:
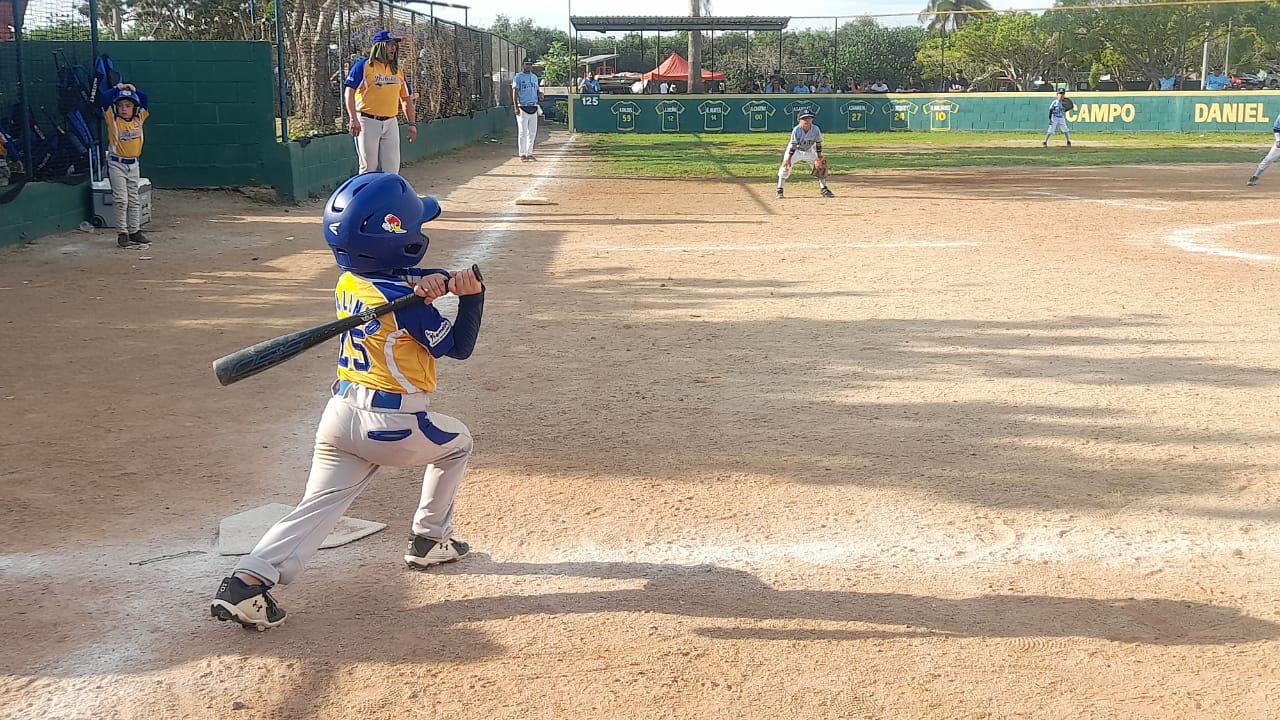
[
  {"x": 805, "y": 147},
  {"x": 380, "y": 410}
]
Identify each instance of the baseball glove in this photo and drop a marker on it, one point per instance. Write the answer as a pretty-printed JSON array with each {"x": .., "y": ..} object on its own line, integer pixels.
[
  {"x": 1067, "y": 105},
  {"x": 820, "y": 168}
]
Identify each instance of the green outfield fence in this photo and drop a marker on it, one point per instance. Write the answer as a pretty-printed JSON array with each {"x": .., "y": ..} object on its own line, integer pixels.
[{"x": 1235, "y": 111}]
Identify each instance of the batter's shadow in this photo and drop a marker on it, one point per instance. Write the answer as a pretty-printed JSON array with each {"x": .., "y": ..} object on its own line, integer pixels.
[{"x": 720, "y": 593}]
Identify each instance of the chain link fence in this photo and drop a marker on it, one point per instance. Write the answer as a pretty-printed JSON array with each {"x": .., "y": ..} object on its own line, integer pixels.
[{"x": 48, "y": 48}]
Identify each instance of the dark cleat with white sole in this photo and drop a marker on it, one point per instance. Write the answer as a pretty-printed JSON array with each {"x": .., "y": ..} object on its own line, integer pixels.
[
  {"x": 250, "y": 605},
  {"x": 425, "y": 552}
]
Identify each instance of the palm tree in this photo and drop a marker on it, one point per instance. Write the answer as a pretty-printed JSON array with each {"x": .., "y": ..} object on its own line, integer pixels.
[
  {"x": 696, "y": 9},
  {"x": 943, "y": 15}
]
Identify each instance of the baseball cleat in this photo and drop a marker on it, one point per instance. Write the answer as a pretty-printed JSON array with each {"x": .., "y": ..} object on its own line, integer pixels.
[
  {"x": 1068, "y": 143},
  {"x": 1044, "y": 144},
  {"x": 250, "y": 605},
  {"x": 123, "y": 240},
  {"x": 138, "y": 238},
  {"x": 425, "y": 552},
  {"x": 1253, "y": 181},
  {"x": 779, "y": 192},
  {"x": 826, "y": 192},
  {"x": 531, "y": 157}
]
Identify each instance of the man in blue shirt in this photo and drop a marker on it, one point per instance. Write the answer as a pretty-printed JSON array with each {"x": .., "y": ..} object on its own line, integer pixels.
[{"x": 526, "y": 93}]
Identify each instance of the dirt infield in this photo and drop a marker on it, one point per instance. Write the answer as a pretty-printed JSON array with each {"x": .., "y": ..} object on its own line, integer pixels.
[{"x": 962, "y": 444}]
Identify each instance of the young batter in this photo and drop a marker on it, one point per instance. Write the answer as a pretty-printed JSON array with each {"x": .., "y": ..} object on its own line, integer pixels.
[
  {"x": 379, "y": 413},
  {"x": 124, "y": 111},
  {"x": 806, "y": 147}
]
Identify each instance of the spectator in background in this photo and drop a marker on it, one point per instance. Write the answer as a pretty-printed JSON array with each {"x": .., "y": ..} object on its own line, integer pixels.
[
  {"x": 590, "y": 85},
  {"x": 880, "y": 86},
  {"x": 746, "y": 87},
  {"x": 664, "y": 88},
  {"x": 853, "y": 86},
  {"x": 801, "y": 88},
  {"x": 824, "y": 86},
  {"x": 913, "y": 85},
  {"x": 958, "y": 82},
  {"x": 1168, "y": 83},
  {"x": 1215, "y": 80}
]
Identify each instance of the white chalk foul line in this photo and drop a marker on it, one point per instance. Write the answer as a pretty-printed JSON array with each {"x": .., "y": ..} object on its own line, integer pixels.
[
  {"x": 496, "y": 236},
  {"x": 768, "y": 248},
  {"x": 1101, "y": 201},
  {"x": 1205, "y": 239}
]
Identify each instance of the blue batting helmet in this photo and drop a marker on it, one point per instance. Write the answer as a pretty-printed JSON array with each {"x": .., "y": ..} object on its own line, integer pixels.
[{"x": 374, "y": 223}]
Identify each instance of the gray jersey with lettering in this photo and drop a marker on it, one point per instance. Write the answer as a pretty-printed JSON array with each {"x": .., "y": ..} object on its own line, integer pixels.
[{"x": 804, "y": 141}]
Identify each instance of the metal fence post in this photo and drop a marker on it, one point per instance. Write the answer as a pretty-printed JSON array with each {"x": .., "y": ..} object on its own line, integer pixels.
[{"x": 283, "y": 88}]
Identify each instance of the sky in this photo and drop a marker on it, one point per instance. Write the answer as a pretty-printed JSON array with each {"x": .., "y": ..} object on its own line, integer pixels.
[{"x": 555, "y": 13}]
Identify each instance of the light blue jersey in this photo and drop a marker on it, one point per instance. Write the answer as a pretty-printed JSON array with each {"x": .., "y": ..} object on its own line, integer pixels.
[{"x": 526, "y": 85}]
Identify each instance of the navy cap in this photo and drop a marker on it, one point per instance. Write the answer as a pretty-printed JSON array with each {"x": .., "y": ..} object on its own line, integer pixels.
[
  {"x": 385, "y": 36},
  {"x": 1062, "y": 91},
  {"x": 805, "y": 113},
  {"x": 527, "y": 61}
]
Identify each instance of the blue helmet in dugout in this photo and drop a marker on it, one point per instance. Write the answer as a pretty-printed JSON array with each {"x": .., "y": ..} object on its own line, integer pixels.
[{"x": 373, "y": 223}]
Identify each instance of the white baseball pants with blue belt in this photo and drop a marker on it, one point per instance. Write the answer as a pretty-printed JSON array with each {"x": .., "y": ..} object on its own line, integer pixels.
[
  {"x": 359, "y": 433},
  {"x": 378, "y": 145},
  {"x": 1271, "y": 157},
  {"x": 1056, "y": 124},
  {"x": 125, "y": 177}
]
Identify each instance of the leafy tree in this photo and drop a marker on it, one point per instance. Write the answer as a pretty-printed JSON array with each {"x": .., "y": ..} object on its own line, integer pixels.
[
  {"x": 1020, "y": 46},
  {"x": 535, "y": 40},
  {"x": 945, "y": 15},
  {"x": 1150, "y": 42},
  {"x": 869, "y": 50},
  {"x": 558, "y": 64}
]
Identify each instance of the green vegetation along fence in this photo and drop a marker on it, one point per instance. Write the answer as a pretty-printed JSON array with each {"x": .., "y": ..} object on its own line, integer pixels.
[{"x": 1024, "y": 112}]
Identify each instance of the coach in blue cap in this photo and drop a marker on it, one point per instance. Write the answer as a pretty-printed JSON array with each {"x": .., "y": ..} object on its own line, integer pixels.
[{"x": 525, "y": 95}]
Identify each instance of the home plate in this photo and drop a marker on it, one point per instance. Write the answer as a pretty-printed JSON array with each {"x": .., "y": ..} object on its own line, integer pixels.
[
  {"x": 238, "y": 533},
  {"x": 533, "y": 200}
]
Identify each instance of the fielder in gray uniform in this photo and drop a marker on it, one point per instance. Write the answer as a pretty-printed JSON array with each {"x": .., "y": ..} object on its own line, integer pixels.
[
  {"x": 805, "y": 147},
  {"x": 1272, "y": 155}
]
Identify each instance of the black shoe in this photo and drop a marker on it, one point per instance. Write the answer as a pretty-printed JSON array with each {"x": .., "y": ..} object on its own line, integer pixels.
[
  {"x": 1068, "y": 143},
  {"x": 1253, "y": 181},
  {"x": 425, "y": 552},
  {"x": 779, "y": 192},
  {"x": 138, "y": 238},
  {"x": 123, "y": 240},
  {"x": 530, "y": 157},
  {"x": 249, "y": 605},
  {"x": 826, "y": 192},
  {"x": 524, "y": 158},
  {"x": 1044, "y": 144}
]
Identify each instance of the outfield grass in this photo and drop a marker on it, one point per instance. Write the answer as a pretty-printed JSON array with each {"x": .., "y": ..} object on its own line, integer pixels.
[{"x": 753, "y": 155}]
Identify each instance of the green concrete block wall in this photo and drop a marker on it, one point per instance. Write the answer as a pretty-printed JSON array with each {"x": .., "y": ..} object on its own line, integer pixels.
[
  {"x": 1021, "y": 112},
  {"x": 41, "y": 209}
]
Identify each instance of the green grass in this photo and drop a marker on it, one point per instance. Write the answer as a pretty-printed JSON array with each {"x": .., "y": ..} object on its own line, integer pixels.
[{"x": 744, "y": 155}]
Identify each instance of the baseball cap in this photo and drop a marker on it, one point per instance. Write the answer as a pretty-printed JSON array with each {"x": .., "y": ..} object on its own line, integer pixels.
[
  {"x": 805, "y": 113},
  {"x": 1062, "y": 91},
  {"x": 385, "y": 36},
  {"x": 527, "y": 61}
]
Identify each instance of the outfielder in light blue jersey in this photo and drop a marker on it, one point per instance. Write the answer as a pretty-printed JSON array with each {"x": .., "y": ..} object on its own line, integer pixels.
[
  {"x": 1058, "y": 118},
  {"x": 1272, "y": 156}
]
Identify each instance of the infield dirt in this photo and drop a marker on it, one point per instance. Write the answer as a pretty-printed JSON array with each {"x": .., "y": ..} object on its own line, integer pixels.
[{"x": 962, "y": 444}]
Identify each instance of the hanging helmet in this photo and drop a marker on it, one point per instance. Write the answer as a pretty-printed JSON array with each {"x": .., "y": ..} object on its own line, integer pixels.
[{"x": 373, "y": 223}]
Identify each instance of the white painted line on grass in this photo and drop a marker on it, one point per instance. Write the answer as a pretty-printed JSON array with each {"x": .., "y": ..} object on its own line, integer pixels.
[
  {"x": 768, "y": 248},
  {"x": 1206, "y": 239}
]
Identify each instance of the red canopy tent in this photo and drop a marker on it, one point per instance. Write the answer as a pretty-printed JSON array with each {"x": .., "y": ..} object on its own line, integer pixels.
[{"x": 677, "y": 68}]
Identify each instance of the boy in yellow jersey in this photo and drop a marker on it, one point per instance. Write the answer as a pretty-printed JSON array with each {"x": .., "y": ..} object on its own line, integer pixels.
[
  {"x": 124, "y": 110},
  {"x": 379, "y": 413},
  {"x": 376, "y": 90}
]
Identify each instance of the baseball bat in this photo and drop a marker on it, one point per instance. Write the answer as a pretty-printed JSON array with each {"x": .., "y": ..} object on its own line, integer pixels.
[{"x": 267, "y": 354}]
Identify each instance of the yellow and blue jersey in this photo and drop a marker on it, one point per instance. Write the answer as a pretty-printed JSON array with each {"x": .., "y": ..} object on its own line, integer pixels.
[
  {"x": 378, "y": 89},
  {"x": 397, "y": 352},
  {"x": 124, "y": 137}
]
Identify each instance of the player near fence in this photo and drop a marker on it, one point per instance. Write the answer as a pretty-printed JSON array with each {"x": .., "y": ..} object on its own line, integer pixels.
[
  {"x": 124, "y": 111},
  {"x": 1272, "y": 155},
  {"x": 375, "y": 93},
  {"x": 379, "y": 413},
  {"x": 526, "y": 94},
  {"x": 806, "y": 147},
  {"x": 1058, "y": 110}
]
